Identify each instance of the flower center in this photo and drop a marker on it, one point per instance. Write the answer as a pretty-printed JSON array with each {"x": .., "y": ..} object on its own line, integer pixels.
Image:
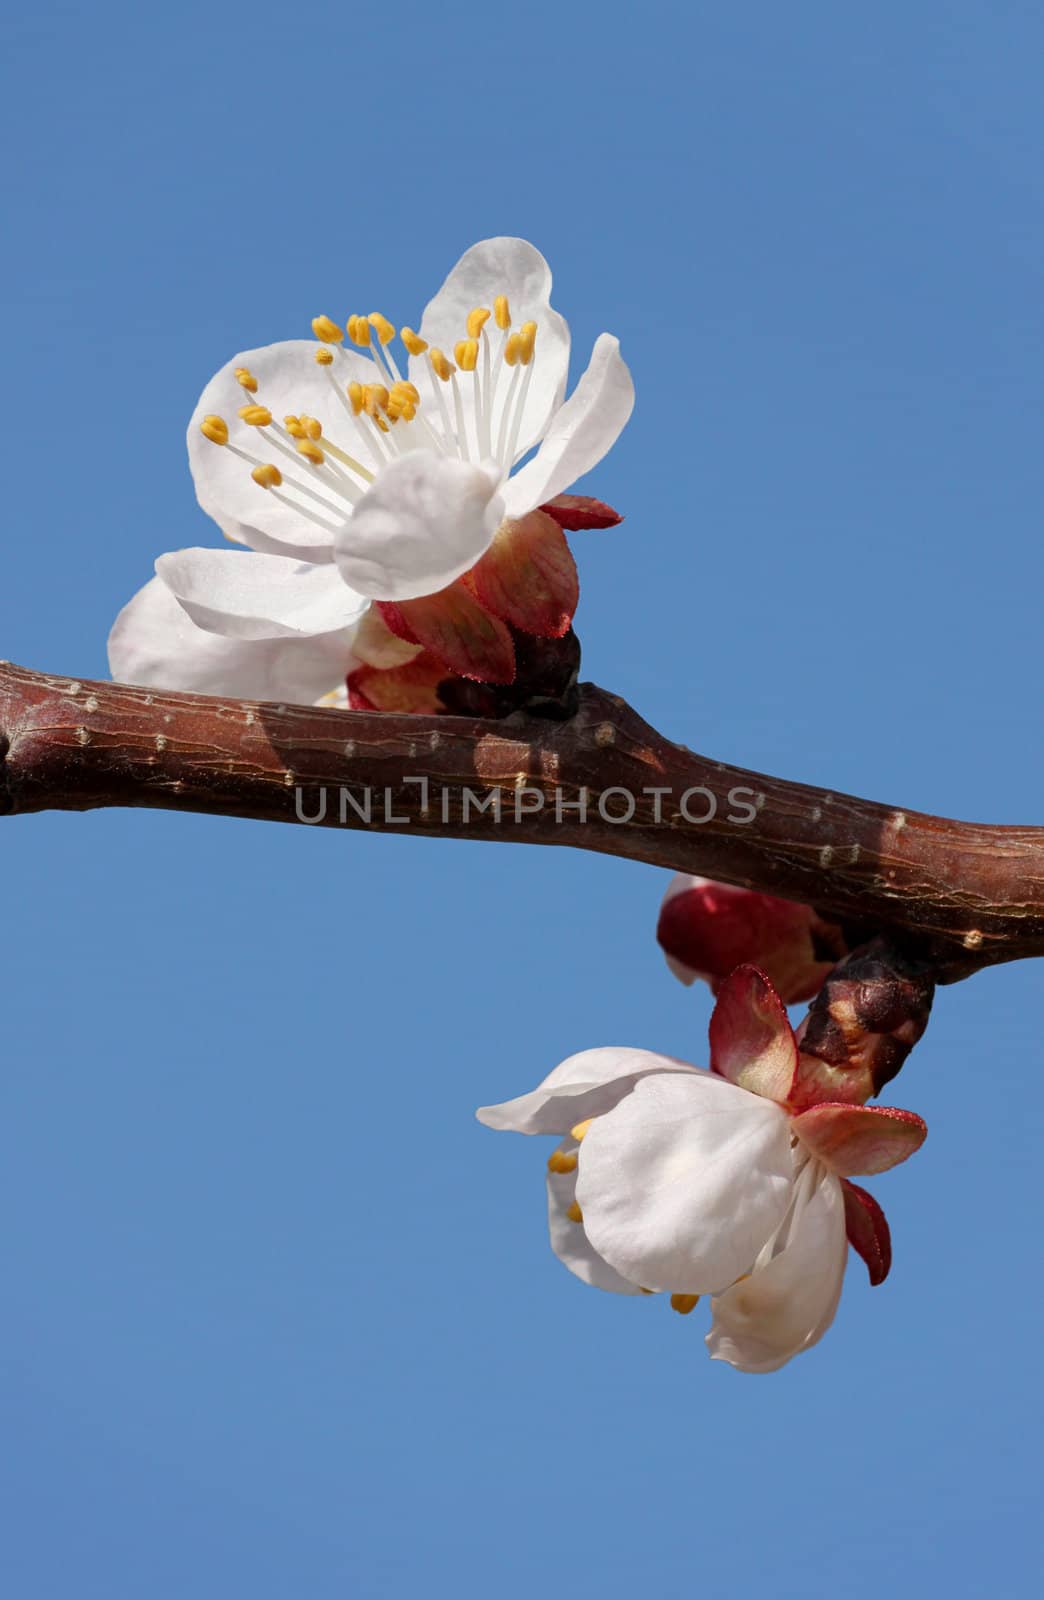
[{"x": 473, "y": 411}]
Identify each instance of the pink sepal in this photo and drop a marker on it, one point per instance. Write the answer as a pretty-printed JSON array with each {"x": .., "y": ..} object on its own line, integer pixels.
[
  {"x": 860, "y": 1139},
  {"x": 751, "y": 1040}
]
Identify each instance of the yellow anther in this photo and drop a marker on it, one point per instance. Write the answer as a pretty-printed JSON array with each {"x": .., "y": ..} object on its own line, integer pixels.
[
  {"x": 400, "y": 405},
  {"x": 359, "y": 330},
  {"x": 245, "y": 378},
  {"x": 581, "y": 1128},
  {"x": 574, "y": 1213},
  {"x": 512, "y": 349},
  {"x": 357, "y": 396},
  {"x": 311, "y": 452},
  {"x": 442, "y": 366},
  {"x": 561, "y": 1161},
  {"x": 527, "y": 337},
  {"x": 381, "y": 327},
  {"x": 215, "y": 429},
  {"x": 381, "y": 424},
  {"x": 466, "y": 354},
  {"x": 477, "y": 320},
  {"x": 312, "y": 426},
  {"x": 413, "y": 342},
  {"x": 295, "y": 427},
  {"x": 684, "y": 1303},
  {"x": 326, "y": 330},
  {"x": 410, "y": 390},
  {"x": 255, "y": 416},
  {"x": 324, "y": 356},
  {"x": 267, "y": 475},
  {"x": 376, "y": 398},
  {"x": 502, "y": 312}
]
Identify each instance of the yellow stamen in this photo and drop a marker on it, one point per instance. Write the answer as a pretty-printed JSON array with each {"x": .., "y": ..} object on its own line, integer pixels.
[
  {"x": 357, "y": 396},
  {"x": 466, "y": 354},
  {"x": 215, "y": 429},
  {"x": 527, "y": 337},
  {"x": 477, "y": 320},
  {"x": 245, "y": 378},
  {"x": 403, "y": 401},
  {"x": 295, "y": 427},
  {"x": 327, "y": 331},
  {"x": 442, "y": 366},
  {"x": 684, "y": 1303},
  {"x": 376, "y": 398},
  {"x": 381, "y": 327},
  {"x": 312, "y": 426},
  {"x": 267, "y": 475},
  {"x": 512, "y": 349},
  {"x": 255, "y": 416},
  {"x": 502, "y": 313},
  {"x": 311, "y": 452},
  {"x": 324, "y": 356},
  {"x": 561, "y": 1161},
  {"x": 359, "y": 330},
  {"x": 581, "y": 1128},
  {"x": 574, "y": 1213},
  {"x": 413, "y": 342}
]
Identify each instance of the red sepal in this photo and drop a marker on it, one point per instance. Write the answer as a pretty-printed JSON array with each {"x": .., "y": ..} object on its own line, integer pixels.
[
  {"x": 458, "y": 632},
  {"x": 528, "y": 576},
  {"x": 578, "y": 512},
  {"x": 868, "y": 1231},
  {"x": 411, "y": 687}
]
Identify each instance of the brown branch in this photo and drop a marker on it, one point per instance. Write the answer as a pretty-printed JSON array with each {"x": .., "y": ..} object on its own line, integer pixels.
[{"x": 960, "y": 895}]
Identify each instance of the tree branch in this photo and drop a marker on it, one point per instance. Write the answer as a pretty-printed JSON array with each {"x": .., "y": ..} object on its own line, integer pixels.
[{"x": 960, "y": 895}]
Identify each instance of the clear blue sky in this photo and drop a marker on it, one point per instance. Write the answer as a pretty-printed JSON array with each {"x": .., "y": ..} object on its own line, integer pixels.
[{"x": 280, "y": 1319}]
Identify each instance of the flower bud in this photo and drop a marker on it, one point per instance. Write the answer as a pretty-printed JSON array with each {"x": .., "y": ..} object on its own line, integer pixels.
[{"x": 706, "y": 929}]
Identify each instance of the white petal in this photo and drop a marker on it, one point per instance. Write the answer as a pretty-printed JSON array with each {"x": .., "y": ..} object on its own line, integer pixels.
[
  {"x": 254, "y": 539},
  {"x": 568, "y": 1239},
  {"x": 154, "y": 642},
  {"x": 684, "y": 1181},
  {"x": 580, "y": 434},
  {"x": 290, "y": 381},
  {"x": 788, "y": 1304},
  {"x": 425, "y": 522},
  {"x": 584, "y": 1085},
  {"x": 514, "y": 268},
  {"x": 248, "y": 596}
]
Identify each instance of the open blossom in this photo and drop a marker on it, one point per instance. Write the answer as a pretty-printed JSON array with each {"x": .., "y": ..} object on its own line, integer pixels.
[
  {"x": 424, "y": 489},
  {"x": 706, "y": 929},
  {"x": 670, "y": 1179}
]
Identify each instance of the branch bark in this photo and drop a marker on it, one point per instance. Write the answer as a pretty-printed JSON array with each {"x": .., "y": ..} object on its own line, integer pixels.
[{"x": 959, "y": 895}]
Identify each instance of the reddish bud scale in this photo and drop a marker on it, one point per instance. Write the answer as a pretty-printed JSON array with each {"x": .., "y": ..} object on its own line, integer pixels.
[{"x": 871, "y": 1012}]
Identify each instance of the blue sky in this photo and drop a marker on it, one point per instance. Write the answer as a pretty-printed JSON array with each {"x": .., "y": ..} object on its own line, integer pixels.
[{"x": 281, "y": 1319}]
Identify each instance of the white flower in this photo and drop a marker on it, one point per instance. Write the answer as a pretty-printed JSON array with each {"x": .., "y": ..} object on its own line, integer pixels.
[
  {"x": 675, "y": 1180},
  {"x": 349, "y": 480}
]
